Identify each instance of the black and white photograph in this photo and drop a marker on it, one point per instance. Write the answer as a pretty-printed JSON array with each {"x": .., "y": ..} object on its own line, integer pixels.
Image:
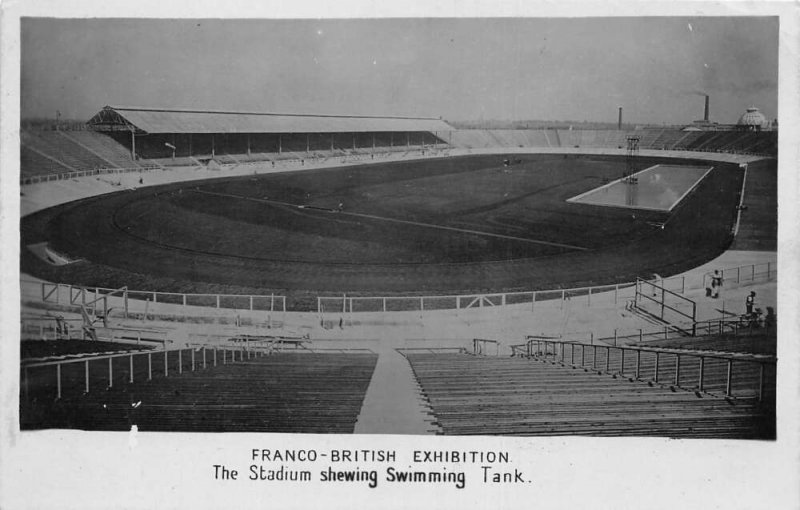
[{"x": 445, "y": 259}]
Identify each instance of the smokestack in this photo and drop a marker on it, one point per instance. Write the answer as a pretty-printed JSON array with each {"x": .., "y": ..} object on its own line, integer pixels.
[
  {"x": 705, "y": 115},
  {"x": 619, "y": 122}
]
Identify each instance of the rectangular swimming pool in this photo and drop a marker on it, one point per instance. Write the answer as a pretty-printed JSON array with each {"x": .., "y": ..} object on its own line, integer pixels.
[{"x": 658, "y": 188}]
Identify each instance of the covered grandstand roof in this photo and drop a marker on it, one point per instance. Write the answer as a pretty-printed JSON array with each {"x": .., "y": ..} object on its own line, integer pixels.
[{"x": 151, "y": 120}]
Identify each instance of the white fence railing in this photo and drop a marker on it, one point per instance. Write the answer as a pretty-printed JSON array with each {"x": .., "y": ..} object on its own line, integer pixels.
[
  {"x": 144, "y": 303},
  {"x": 34, "y": 179},
  {"x": 341, "y": 308}
]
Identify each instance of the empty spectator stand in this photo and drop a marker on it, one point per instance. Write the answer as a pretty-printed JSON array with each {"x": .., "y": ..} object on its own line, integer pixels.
[
  {"x": 64, "y": 149},
  {"x": 233, "y": 137},
  {"x": 201, "y": 389},
  {"x": 517, "y": 396}
]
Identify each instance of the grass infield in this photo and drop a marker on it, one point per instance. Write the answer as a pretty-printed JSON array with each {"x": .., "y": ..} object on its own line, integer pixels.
[{"x": 456, "y": 225}]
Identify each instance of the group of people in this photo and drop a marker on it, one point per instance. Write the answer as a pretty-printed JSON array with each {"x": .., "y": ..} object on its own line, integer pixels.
[{"x": 751, "y": 312}]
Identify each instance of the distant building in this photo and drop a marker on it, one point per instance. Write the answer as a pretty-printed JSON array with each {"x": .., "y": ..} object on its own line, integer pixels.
[{"x": 752, "y": 120}]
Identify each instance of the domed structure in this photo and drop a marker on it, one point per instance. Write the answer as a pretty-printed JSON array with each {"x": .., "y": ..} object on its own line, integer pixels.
[{"x": 752, "y": 119}]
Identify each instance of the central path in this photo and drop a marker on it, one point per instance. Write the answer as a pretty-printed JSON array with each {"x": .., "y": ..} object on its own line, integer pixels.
[{"x": 393, "y": 403}]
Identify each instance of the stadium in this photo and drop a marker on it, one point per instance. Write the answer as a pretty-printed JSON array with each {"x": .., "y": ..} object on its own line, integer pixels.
[{"x": 209, "y": 270}]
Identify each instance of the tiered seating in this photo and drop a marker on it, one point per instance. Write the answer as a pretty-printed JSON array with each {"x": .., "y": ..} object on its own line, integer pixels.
[
  {"x": 732, "y": 141},
  {"x": 283, "y": 392},
  {"x": 648, "y": 136},
  {"x": 687, "y": 140},
  {"x": 472, "y": 139},
  {"x": 104, "y": 146},
  {"x": 33, "y": 163},
  {"x": 757, "y": 343},
  {"x": 616, "y": 139},
  {"x": 568, "y": 137},
  {"x": 665, "y": 140},
  {"x": 63, "y": 149},
  {"x": 516, "y": 396}
]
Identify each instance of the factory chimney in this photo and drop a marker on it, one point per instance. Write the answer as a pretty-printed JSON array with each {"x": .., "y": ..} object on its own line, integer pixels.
[
  {"x": 705, "y": 115},
  {"x": 619, "y": 122}
]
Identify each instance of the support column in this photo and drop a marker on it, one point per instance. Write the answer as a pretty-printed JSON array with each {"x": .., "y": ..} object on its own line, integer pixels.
[{"x": 133, "y": 145}]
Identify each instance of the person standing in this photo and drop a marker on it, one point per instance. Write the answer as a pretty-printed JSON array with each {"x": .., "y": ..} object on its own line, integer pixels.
[
  {"x": 716, "y": 283},
  {"x": 749, "y": 303}
]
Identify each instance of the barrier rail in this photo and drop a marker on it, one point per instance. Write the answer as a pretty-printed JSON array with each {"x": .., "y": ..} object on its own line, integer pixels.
[
  {"x": 660, "y": 356},
  {"x": 345, "y": 306},
  {"x": 199, "y": 356},
  {"x": 659, "y": 297},
  {"x": 481, "y": 346},
  {"x": 740, "y": 325},
  {"x": 64, "y": 176},
  {"x": 140, "y": 302}
]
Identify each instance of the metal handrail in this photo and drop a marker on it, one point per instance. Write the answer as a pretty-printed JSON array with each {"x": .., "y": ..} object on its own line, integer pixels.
[
  {"x": 243, "y": 351},
  {"x": 760, "y": 359}
]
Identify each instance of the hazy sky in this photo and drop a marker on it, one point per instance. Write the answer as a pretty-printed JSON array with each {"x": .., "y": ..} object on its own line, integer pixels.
[{"x": 459, "y": 69}]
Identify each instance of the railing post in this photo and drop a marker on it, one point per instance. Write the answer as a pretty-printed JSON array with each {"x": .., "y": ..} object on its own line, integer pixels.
[
  {"x": 638, "y": 359},
  {"x": 204, "y": 357},
  {"x": 594, "y": 356},
  {"x": 655, "y": 374},
  {"x": 166, "y": 362},
  {"x": 677, "y": 369},
  {"x": 58, "y": 381},
  {"x": 571, "y": 354},
  {"x": 728, "y": 379},
  {"x": 608, "y": 358},
  {"x": 149, "y": 366},
  {"x": 192, "y": 360},
  {"x": 622, "y": 361},
  {"x": 215, "y": 356},
  {"x": 86, "y": 376},
  {"x": 130, "y": 368},
  {"x": 110, "y": 374},
  {"x": 180, "y": 361},
  {"x": 224, "y": 356},
  {"x": 702, "y": 369}
]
